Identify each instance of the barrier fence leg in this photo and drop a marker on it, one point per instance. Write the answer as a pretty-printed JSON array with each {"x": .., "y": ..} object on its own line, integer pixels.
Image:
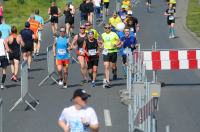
[
  {"x": 30, "y": 105},
  {"x": 15, "y": 105},
  {"x": 154, "y": 125},
  {"x": 33, "y": 98},
  {"x": 1, "y": 115},
  {"x": 47, "y": 77}
]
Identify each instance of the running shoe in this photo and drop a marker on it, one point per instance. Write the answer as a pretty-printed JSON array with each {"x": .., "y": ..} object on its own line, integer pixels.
[
  {"x": 84, "y": 82},
  {"x": 37, "y": 54},
  {"x": 93, "y": 84},
  {"x": 2, "y": 86},
  {"x": 65, "y": 86},
  {"x": 60, "y": 83},
  {"x": 107, "y": 85}
]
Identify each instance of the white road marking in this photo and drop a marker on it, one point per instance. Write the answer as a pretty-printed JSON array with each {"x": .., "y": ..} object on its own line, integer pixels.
[{"x": 107, "y": 117}]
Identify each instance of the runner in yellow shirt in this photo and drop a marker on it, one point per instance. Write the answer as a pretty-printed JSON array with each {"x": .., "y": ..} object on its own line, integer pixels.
[
  {"x": 89, "y": 27},
  {"x": 111, "y": 43},
  {"x": 126, "y": 4},
  {"x": 114, "y": 20}
]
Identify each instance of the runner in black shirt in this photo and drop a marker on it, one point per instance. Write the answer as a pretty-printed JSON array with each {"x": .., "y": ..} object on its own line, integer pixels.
[
  {"x": 170, "y": 13},
  {"x": 28, "y": 38},
  {"x": 54, "y": 12},
  {"x": 84, "y": 11},
  {"x": 91, "y": 45}
]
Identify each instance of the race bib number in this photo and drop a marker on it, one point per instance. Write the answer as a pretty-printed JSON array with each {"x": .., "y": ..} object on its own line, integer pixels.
[
  {"x": 171, "y": 17},
  {"x": 105, "y": 52},
  {"x": 132, "y": 29},
  {"x": 92, "y": 52},
  {"x": 61, "y": 51}
]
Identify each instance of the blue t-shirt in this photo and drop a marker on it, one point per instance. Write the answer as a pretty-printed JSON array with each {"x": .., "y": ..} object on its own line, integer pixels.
[
  {"x": 5, "y": 30},
  {"x": 128, "y": 43},
  {"x": 39, "y": 19},
  {"x": 62, "y": 48}
]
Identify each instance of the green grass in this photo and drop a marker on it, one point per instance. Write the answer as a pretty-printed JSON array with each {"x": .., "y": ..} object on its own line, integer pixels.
[
  {"x": 16, "y": 13},
  {"x": 193, "y": 17}
]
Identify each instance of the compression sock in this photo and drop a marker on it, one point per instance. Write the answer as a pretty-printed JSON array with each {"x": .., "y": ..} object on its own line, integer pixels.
[
  {"x": 3, "y": 78},
  {"x": 173, "y": 32},
  {"x": 170, "y": 31}
]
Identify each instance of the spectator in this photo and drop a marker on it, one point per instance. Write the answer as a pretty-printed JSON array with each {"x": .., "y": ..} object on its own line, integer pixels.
[
  {"x": 84, "y": 11},
  {"x": 79, "y": 117},
  {"x": 1, "y": 13}
]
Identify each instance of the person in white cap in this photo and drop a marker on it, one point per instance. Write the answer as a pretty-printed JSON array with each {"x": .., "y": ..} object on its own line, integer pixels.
[{"x": 79, "y": 117}]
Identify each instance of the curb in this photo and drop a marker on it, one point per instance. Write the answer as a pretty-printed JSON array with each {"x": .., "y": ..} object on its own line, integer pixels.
[{"x": 191, "y": 33}]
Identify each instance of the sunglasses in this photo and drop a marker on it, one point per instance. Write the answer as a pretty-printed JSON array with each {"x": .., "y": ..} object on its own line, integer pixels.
[
  {"x": 82, "y": 28},
  {"x": 87, "y": 25},
  {"x": 84, "y": 98},
  {"x": 107, "y": 27}
]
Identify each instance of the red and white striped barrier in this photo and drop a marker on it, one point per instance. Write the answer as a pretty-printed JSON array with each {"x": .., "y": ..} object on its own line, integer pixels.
[{"x": 171, "y": 60}]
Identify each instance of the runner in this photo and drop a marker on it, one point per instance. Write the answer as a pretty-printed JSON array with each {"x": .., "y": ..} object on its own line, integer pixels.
[
  {"x": 69, "y": 13},
  {"x": 54, "y": 12},
  {"x": 111, "y": 43},
  {"x": 97, "y": 9},
  {"x": 129, "y": 42},
  {"x": 28, "y": 38},
  {"x": 5, "y": 29},
  {"x": 132, "y": 23},
  {"x": 170, "y": 13},
  {"x": 89, "y": 27},
  {"x": 106, "y": 6},
  {"x": 14, "y": 42},
  {"x": 35, "y": 27},
  {"x": 3, "y": 60},
  {"x": 61, "y": 49},
  {"x": 79, "y": 117},
  {"x": 79, "y": 41},
  {"x": 148, "y": 4},
  {"x": 84, "y": 11},
  {"x": 114, "y": 20},
  {"x": 90, "y": 6},
  {"x": 39, "y": 19},
  {"x": 126, "y": 4},
  {"x": 92, "y": 51},
  {"x": 122, "y": 13}
]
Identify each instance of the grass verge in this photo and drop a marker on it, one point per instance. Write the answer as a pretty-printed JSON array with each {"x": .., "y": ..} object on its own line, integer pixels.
[
  {"x": 17, "y": 14},
  {"x": 193, "y": 16}
]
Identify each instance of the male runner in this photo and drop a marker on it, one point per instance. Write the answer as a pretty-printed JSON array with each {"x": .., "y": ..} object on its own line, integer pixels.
[
  {"x": 60, "y": 47},
  {"x": 39, "y": 19},
  {"x": 111, "y": 43},
  {"x": 28, "y": 38}
]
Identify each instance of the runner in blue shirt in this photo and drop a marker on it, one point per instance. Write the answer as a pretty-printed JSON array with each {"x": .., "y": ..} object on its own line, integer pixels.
[
  {"x": 129, "y": 42},
  {"x": 60, "y": 47},
  {"x": 5, "y": 29},
  {"x": 39, "y": 19}
]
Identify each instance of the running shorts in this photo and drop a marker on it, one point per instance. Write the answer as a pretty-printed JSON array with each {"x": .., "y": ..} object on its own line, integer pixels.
[
  {"x": 106, "y": 5},
  {"x": 54, "y": 19},
  {"x": 14, "y": 55},
  {"x": 3, "y": 62},
  {"x": 92, "y": 62},
  {"x": 169, "y": 22},
  {"x": 110, "y": 57},
  {"x": 27, "y": 48},
  {"x": 62, "y": 62}
]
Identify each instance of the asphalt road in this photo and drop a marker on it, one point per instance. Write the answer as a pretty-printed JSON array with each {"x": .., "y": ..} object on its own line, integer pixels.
[{"x": 179, "y": 105}]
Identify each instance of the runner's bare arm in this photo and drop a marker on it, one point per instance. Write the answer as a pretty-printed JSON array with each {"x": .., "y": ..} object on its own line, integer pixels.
[
  {"x": 64, "y": 126},
  {"x": 74, "y": 41}
]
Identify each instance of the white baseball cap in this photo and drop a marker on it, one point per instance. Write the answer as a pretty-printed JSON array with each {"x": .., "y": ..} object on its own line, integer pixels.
[{"x": 129, "y": 12}]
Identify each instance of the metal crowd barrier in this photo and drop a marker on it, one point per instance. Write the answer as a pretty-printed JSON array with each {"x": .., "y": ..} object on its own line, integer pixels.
[
  {"x": 24, "y": 88},
  {"x": 140, "y": 96},
  {"x": 1, "y": 115},
  {"x": 50, "y": 66}
]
